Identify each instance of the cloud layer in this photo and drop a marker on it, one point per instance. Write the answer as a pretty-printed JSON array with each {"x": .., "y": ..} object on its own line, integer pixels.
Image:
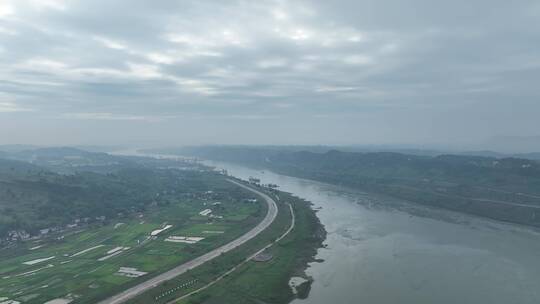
[{"x": 158, "y": 72}]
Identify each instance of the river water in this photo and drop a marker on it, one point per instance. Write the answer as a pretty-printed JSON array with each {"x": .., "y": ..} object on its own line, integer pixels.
[{"x": 380, "y": 250}]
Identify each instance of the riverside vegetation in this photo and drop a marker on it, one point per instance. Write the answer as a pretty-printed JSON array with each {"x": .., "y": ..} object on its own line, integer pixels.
[
  {"x": 506, "y": 189},
  {"x": 72, "y": 233}
]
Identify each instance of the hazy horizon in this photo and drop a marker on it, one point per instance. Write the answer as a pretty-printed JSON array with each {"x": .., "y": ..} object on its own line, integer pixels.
[
  {"x": 460, "y": 75},
  {"x": 498, "y": 147}
]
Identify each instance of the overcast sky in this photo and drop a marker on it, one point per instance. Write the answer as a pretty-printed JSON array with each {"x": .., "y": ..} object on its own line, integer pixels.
[{"x": 278, "y": 72}]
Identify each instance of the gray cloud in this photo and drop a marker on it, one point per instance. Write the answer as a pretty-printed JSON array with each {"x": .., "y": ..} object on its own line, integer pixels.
[{"x": 296, "y": 71}]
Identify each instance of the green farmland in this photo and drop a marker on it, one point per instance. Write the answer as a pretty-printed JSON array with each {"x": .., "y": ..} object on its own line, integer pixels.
[
  {"x": 83, "y": 264},
  {"x": 267, "y": 282},
  {"x": 252, "y": 282}
]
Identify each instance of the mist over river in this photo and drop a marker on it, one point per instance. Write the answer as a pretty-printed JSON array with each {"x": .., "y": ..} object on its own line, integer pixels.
[{"x": 381, "y": 250}]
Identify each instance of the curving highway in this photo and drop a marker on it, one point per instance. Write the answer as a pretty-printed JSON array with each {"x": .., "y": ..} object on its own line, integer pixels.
[
  {"x": 155, "y": 281},
  {"x": 221, "y": 277}
]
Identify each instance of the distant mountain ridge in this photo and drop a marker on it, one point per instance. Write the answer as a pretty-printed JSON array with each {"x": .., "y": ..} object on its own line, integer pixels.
[
  {"x": 511, "y": 144},
  {"x": 361, "y": 149}
]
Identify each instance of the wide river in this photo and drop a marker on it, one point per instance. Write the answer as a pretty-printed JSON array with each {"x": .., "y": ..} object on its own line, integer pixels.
[{"x": 380, "y": 250}]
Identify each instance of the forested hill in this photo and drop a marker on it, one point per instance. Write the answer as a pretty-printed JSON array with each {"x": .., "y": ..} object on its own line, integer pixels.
[
  {"x": 501, "y": 188},
  {"x": 33, "y": 198},
  {"x": 17, "y": 169}
]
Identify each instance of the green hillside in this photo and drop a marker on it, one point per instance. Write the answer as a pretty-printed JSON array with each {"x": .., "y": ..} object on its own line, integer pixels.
[
  {"x": 505, "y": 189},
  {"x": 33, "y": 198}
]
